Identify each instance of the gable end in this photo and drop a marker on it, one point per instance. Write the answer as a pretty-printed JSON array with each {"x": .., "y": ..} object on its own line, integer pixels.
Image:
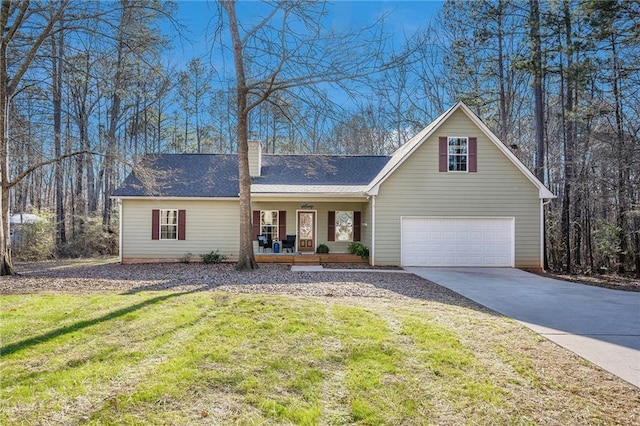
[{"x": 404, "y": 152}]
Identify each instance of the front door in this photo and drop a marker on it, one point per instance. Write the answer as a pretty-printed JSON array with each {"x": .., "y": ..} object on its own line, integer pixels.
[{"x": 306, "y": 231}]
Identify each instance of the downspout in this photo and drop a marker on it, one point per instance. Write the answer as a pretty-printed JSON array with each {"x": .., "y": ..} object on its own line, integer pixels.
[
  {"x": 373, "y": 231},
  {"x": 120, "y": 220},
  {"x": 542, "y": 226}
]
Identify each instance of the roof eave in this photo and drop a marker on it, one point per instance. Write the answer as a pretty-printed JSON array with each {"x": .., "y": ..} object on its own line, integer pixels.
[
  {"x": 413, "y": 144},
  {"x": 174, "y": 197},
  {"x": 310, "y": 194},
  {"x": 543, "y": 191}
]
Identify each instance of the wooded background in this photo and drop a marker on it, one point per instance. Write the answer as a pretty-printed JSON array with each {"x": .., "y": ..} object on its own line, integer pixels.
[{"x": 558, "y": 81}]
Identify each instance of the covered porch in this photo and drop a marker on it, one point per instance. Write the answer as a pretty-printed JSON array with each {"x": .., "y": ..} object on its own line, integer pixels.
[{"x": 329, "y": 223}]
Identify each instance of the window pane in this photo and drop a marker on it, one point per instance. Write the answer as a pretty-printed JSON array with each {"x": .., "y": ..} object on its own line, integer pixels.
[
  {"x": 269, "y": 223},
  {"x": 344, "y": 226},
  {"x": 457, "y": 154},
  {"x": 168, "y": 224},
  {"x": 168, "y": 217},
  {"x": 306, "y": 226},
  {"x": 269, "y": 217},
  {"x": 168, "y": 232}
]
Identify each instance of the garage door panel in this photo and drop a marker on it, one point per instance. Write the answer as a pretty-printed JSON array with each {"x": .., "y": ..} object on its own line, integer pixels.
[{"x": 457, "y": 241}]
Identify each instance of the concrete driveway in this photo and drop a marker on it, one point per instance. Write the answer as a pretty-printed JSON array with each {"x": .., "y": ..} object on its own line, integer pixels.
[{"x": 600, "y": 325}]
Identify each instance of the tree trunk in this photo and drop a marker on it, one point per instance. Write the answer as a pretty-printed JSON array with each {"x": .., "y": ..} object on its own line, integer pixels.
[
  {"x": 569, "y": 141},
  {"x": 6, "y": 266},
  {"x": 623, "y": 168},
  {"x": 536, "y": 47},
  {"x": 56, "y": 61},
  {"x": 19, "y": 10},
  {"x": 504, "y": 119},
  {"x": 81, "y": 162},
  {"x": 536, "y": 69},
  {"x": 114, "y": 117},
  {"x": 246, "y": 258}
]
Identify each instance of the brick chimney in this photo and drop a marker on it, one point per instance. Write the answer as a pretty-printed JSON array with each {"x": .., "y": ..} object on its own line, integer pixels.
[{"x": 255, "y": 158}]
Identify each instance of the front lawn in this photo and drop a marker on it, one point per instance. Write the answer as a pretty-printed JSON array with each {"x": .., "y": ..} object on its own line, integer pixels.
[{"x": 212, "y": 357}]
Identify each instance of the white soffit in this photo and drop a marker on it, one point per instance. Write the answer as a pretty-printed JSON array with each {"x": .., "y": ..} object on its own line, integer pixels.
[{"x": 355, "y": 190}]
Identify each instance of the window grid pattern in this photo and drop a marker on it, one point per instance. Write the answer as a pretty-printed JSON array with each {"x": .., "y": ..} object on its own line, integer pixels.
[
  {"x": 458, "y": 154},
  {"x": 168, "y": 224},
  {"x": 269, "y": 223}
]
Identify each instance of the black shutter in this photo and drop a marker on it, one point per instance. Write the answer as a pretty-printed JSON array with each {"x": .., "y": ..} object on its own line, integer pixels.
[
  {"x": 256, "y": 224},
  {"x": 331, "y": 227},
  {"x": 473, "y": 155},
  {"x": 155, "y": 224},
  {"x": 282, "y": 225},
  {"x": 182, "y": 224},
  {"x": 443, "y": 154}
]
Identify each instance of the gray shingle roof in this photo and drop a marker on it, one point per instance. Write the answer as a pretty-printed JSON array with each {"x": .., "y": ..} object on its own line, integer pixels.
[
  {"x": 182, "y": 175},
  {"x": 216, "y": 175},
  {"x": 319, "y": 169}
]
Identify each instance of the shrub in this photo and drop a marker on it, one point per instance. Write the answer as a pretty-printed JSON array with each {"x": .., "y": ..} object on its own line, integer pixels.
[
  {"x": 35, "y": 241},
  {"x": 359, "y": 250},
  {"x": 322, "y": 248},
  {"x": 606, "y": 239},
  {"x": 213, "y": 257},
  {"x": 90, "y": 238},
  {"x": 187, "y": 257}
]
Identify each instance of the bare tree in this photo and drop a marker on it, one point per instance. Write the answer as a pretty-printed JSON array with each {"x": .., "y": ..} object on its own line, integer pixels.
[
  {"x": 14, "y": 15},
  {"x": 289, "y": 48},
  {"x": 537, "y": 72}
]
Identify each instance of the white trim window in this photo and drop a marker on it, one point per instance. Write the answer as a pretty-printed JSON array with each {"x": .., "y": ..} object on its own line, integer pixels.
[
  {"x": 269, "y": 223},
  {"x": 458, "y": 153},
  {"x": 169, "y": 224},
  {"x": 344, "y": 226}
]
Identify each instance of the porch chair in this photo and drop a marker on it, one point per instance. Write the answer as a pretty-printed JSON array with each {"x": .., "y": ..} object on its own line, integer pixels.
[
  {"x": 265, "y": 242},
  {"x": 289, "y": 243}
]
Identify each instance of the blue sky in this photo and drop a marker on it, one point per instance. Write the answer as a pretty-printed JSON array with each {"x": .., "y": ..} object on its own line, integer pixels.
[{"x": 403, "y": 17}]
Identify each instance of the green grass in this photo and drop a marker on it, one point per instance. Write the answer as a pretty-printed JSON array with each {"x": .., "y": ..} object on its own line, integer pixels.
[{"x": 193, "y": 357}]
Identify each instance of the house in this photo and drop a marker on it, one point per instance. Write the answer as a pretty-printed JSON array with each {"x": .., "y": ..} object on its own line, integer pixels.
[{"x": 453, "y": 195}]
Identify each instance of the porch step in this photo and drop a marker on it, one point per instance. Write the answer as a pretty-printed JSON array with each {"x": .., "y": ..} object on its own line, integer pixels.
[
  {"x": 341, "y": 258},
  {"x": 306, "y": 259}
]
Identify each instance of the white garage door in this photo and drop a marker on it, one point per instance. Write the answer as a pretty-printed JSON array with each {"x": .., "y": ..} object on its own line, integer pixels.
[{"x": 460, "y": 241}]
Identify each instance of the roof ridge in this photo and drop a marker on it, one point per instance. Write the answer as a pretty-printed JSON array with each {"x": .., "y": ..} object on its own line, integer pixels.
[
  {"x": 326, "y": 155},
  {"x": 187, "y": 153}
]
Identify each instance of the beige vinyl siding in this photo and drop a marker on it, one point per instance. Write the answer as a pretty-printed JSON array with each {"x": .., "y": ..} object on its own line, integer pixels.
[
  {"x": 211, "y": 225},
  {"x": 365, "y": 234},
  {"x": 322, "y": 210},
  {"x": 497, "y": 189}
]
